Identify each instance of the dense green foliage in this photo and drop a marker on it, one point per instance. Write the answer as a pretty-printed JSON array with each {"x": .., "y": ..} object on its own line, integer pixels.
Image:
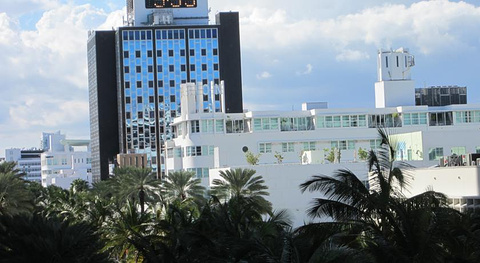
[
  {"x": 134, "y": 217},
  {"x": 380, "y": 224}
]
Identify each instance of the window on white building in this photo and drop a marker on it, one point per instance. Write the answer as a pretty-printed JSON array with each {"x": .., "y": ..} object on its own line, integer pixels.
[
  {"x": 178, "y": 152},
  {"x": 458, "y": 150},
  {"x": 343, "y": 145},
  {"x": 265, "y": 148},
  {"x": 337, "y": 122},
  {"x": 467, "y": 116},
  {"x": 199, "y": 172},
  {"x": 309, "y": 146},
  {"x": 435, "y": 153},
  {"x": 170, "y": 153},
  {"x": 234, "y": 126},
  {"x": 265, "y": 124},
  {"x": 441, "y": 118},
  {"x": 296, "y": 124},
  {"x": 375, "y": 144},
  {"x": 414, "y": 119},
  {"x": 341, "y": 121},
  {"x": 288, "y": 147},
  {"x": 351, "y": 145},
  {"x": 197, "y": 151},
  {"x": 180, "y": 129},
  {"x": 384, "y": 120},
  {"x": 207, "y": 126},
  {"x": 195, "y": 125},
  {"x": 219, "y": 126}
]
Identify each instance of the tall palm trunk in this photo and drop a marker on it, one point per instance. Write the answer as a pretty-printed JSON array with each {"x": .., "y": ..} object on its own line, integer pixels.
[{"x": 141, "y": 196}]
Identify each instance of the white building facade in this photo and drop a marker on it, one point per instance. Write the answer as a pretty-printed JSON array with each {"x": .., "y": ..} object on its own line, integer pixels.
[
  {"x": 28, "y": 162},
  {"x": 63, "y": 164},
  {"x": 295, "y": 145}
]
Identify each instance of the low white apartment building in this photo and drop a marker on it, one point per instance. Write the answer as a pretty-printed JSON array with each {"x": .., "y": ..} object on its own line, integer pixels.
[
  {"x": 294, "y": 145},
  {"x": 28, "y": 162},
  {"x": 63, "y": 164}
]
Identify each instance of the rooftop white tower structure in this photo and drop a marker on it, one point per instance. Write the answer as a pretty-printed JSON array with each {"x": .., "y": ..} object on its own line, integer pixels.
[
  {"x": 395, "y": 86},
  {"x": 166, "y": 12}
]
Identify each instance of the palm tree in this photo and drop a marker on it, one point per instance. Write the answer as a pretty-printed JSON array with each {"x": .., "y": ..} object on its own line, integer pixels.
[
  {"x": 32, "y": 238},
  {"x": 347, "y": 198},
  {"x": 55, "y": 202},
  {"x": 381, "y": 220},
  {"x": 133, "y": 182},
  {"x": 133, "y": 235},
  {"x": 10, "y": 167},
  {"x": 14, "y": 195},
  {"x": 242, "y": 184},
  {"x": 181, "y": 185},
  {"x": 79, "y": 185}
]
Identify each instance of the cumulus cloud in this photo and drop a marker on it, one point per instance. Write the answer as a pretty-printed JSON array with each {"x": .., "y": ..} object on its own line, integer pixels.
[
  {"x": 307, "y": 71},
  {"x": 352, "y": 55},
  {"x": 47, "y": 111},
  {"x": 431, "y": 26},
  {"x": 19, "y": 7},
  {"x": 45, "y": 80},
  {"x": 264, "y": 75},
  {"x": 7, "y": 33},
  {"x": 114, "y": 20}
]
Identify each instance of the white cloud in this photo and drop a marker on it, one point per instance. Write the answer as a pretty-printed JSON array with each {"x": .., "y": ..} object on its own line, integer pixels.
[
  {"x": 431, "y": 26},
  {"x": 114, "y": 20},
  {"x": 307, "y": 71},
  {"x": 46, "y": 111},
  {"x": 19, "y": 7},
  {"x": 264, "y": 75},
  {"x": 7, "y": 34},
  {"x": 45, "y": 79},
  {"x": 352, "y": 55}
]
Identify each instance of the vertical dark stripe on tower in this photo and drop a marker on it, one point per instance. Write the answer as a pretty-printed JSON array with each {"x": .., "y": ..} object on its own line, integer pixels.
[
  {"x": 230, "y": 60},
  {"x": 106, "y": 122}
]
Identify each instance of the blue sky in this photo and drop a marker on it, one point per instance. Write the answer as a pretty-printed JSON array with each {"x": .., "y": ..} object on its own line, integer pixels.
[{"x": 292, "y": 52}]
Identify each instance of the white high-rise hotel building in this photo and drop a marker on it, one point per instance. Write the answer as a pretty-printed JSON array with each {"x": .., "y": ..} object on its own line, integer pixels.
[{"x": 206, "y": 142}]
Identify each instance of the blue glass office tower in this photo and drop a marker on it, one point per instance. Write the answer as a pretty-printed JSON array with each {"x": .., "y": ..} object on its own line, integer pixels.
[{"x": 151, "y": 63}]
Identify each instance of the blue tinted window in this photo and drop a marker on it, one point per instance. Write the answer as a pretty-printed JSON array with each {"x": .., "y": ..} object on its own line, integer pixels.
[
  {"x": 137, "y": 35},
  {"x": 125, "y": 35},
  {"x": 149, "y": 35},
  {"x": 214, "y": 31}
]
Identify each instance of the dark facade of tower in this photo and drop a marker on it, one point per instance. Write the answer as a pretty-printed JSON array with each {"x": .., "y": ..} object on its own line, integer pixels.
[
  {"x": 102, "y": 80},
  {"x": 151, "y": 63}
]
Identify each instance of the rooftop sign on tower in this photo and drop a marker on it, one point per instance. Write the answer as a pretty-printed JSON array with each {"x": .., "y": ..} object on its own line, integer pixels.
[{"x": 166, "y": 12}]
